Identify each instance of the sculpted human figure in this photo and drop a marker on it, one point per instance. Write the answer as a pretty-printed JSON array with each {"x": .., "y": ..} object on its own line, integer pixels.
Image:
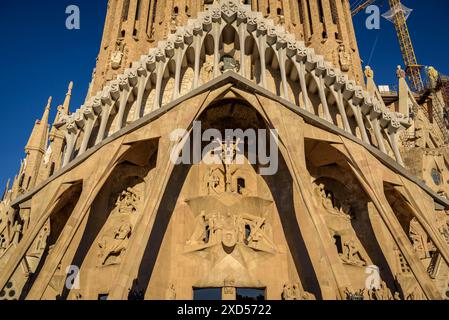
[
  {"x": 116, "y": 245},
  {"x": 294, "y": 292},
  {"x": 199, "y": 233},
  {"x": 127, "y": 201},
  {"x": 171, "y": 293},
  {"x": 345, "y": 58},
  {"x": 382, "y": 293},
  {"x": 418, "y": 239},
  {"x": 213, "y": 182},
  {"x": 287, "y": 293},
  {"x": 16, "y": 233},
  {"x": 351, "y": 254}
]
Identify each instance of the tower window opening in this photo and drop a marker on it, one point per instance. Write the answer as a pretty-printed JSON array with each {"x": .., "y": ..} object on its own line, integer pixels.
[
  {"x": 139, "y": 3},
  {"x": 321, "y": 11},
  {"x": 279, "y": 11},
  {"x": 151, "y": 19},
  {"x": 123, "y": 33},
  {"x": 135, "y": 33},
  {"x": 309, "y": 12},
  {"x": 125, "y": 10},
  {"x": 176, "y": 10},
  {"x": 300, "y": 12},
  {"x": 334, "y": 12}
]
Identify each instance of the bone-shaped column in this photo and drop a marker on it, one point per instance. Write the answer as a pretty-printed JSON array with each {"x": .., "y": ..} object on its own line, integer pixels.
[
  {"x": 108, "y": 100},
  {"x": 338, "y": 88},
  {"x": 70, "y": 137},
  {"x": 91, "y": 118},
  {"x": 160, "y": 68},
  {"x": 372, "y": 111},
  {"x": 262, "y": 41},
  {"x": 354, "y": 96},
  {"x": 143, "y": 79},
  {"x": 179, "y": 51}
]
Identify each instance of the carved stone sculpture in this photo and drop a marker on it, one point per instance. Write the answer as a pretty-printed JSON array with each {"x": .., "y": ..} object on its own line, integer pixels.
[
  {"x": 381, "y": 293},
  {"x": 343, "y": 210},
  {"x": 345, "y": 58},
  {"x": 116, "y": 59},
  {"x": 171, "y": 293},
  {"x": 127, "y": 201},
  {"x": 213, "y": 182},
  {"x": 355, "y": 295},
  {"x": 294, "y": 292},
  {"x": 419, "y": 239},
  {"x": 230, "y": 230},
  {"x": 352, "y": 255},
  {"x": 112, "y": 247}
]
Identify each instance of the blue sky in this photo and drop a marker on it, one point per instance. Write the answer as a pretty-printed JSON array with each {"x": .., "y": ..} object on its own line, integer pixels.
[{"x": 39, "y": 57}]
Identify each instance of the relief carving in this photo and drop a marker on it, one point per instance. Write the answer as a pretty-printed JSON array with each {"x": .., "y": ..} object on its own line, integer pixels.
[
  {"x": 12, "y": 230},
  {"x": 342, "y": 209},
  {"x": 231, "y": 229},
  {"x": 355, "y": 295},
  {"x": 422, "y": 245},
  {"x": 382, "y": 293},
  {"x": 213, "y": 182},
  {"x": 118, "y": 55},
  {"x": 127, "y": 201},
  {"x": 352, "y": 255},
  {"x": 344, "y": 58},
  {"x": 171, "y": 293},
  {"x": 294, "y": 292},
  {"x": 113, "y": 246}
]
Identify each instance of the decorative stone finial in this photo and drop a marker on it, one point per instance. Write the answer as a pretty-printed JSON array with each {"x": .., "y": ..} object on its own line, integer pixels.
[
  {"x": 400, "y": 73},
  {"x": 66, "y": 105},
  {"x": 369, "y": 73},
  {"x": 50, "y": 99}
]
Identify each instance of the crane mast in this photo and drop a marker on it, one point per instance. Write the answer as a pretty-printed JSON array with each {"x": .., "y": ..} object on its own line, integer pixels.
[{"x": 413, "y": 69}]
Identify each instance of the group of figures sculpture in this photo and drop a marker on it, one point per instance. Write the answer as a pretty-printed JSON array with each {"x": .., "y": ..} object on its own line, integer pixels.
[
  {"x": 114, "y": 243},
  {"x": 341, "y": 209},
  {"x": 351, "y": 252},
  {"x": 293, "y": 291},
  {"x": 231, "y": 229},
  {"x": 11, "y": 235}
]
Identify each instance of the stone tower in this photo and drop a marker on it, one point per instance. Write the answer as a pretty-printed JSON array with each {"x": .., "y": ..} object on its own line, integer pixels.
[
  {"x": 227, "y": 158},
  {"x": 132, "y": 27}
]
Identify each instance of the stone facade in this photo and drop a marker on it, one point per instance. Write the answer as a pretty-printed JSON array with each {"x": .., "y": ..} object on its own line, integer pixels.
[
  {"x": 341, "y": 217},
  {"x": 134, "y": 26}
]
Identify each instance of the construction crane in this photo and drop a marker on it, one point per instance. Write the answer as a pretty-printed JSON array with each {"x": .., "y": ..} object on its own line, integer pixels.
[
  {"x": 362, "y": 6},
  {"x": 413, "y": 69}
]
